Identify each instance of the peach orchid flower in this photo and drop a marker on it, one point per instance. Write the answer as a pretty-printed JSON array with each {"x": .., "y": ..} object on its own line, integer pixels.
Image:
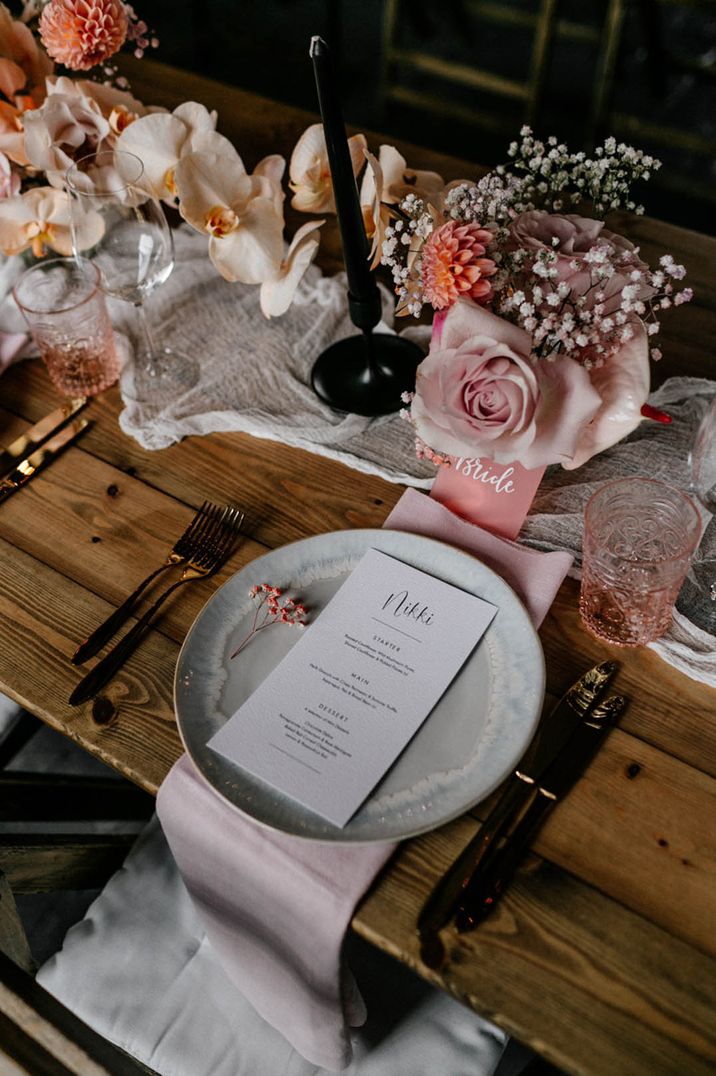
[
  {"x": 161, "y": 139},
  {"x": 9, "y": 180},
  {"x": 310, "y": 174},
  {"x": 12, "y": 135},
  {"x": 277, "y": 293},
  {"x": 65, "y": 128},
  {"x": 387, "y": 181},
  {"x": 20, "y": 50},
  {"x": 241, "y": 214},
  {"x": 40, "y": 218},
  {"x": 118, "y": 107}
]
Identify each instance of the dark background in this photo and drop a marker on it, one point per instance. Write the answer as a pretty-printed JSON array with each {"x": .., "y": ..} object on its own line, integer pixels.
[{"x": 642, "y": 70}]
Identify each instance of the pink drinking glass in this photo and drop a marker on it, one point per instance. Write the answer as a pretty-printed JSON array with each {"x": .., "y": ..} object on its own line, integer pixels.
[
  {"x": 66, "y": 313},
  {"x": 639, "y": 536}
]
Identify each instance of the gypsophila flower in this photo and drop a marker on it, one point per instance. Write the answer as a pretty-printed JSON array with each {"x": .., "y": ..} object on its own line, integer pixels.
[
  {"x": 584, "y": 301},
  {"x": 273, "y": 608}
]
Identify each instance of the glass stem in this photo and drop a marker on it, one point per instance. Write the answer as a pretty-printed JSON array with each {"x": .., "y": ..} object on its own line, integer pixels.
[{"x": 151, "y": 358}]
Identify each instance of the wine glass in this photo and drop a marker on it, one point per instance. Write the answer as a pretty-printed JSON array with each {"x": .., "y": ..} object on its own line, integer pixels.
[
  {"x": 131, "y": 244},
  {"x": 702, "y": 577}
]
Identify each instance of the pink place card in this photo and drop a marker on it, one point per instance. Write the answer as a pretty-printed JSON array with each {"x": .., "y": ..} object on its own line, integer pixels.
[{"x": 496, "y": 496}]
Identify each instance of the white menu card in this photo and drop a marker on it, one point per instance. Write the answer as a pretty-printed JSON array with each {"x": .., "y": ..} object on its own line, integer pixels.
[{"x": 329, "y": 721}]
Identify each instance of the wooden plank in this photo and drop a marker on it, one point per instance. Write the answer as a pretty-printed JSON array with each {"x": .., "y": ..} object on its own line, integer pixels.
[
  {"x": 137, "y": 524},
  {"x": 108, "y": 531},
  {"x": 593, "y": 987},
  {"x": 131, "y": 725},
  {"x": 35, "y": 863},
  {"x": 667, "y": 709},
  {"x": 46, "y": 1039},
  {"x": 277, "y": 483},
  {"x": 13, "y": 940},
  {"x": 622, "y": 853}
]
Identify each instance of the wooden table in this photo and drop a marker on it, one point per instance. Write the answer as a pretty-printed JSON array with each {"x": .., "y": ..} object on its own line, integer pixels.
[{"x": 602, "y": 956}]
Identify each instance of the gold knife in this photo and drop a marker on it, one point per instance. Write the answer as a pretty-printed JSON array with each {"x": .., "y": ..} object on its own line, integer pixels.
[
  {"x": 41, "y": 457},
  {"x": 32, "y": 439},
  {"x": 489, "y": 883},
  {"x": 551, "y": 737}
]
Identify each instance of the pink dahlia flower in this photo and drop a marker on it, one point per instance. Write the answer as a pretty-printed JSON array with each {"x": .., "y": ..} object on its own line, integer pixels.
[
  {"x": 83, "y": 33},
  {"x": 453, "y": 265}
]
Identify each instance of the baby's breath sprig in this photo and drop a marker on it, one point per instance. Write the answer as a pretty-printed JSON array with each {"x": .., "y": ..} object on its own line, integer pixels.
[
  {"x": 554, "y": 178},
  {"x": 272, "y": 608},
  {"x": 588, "y": 310}
]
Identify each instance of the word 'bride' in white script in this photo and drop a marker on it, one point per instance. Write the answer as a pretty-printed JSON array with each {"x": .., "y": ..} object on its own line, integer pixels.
[{"x": 480, "y": 472}]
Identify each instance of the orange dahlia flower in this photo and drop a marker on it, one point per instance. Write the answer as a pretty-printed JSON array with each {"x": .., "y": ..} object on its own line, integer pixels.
[
  {"x": 83, "y": 33},
  {"x": 453, "y": 265}
]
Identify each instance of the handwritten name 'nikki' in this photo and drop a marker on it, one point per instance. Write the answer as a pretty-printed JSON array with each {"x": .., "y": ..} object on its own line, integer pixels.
[
  {"x": 480, "y": 472},
  {"x": 401, "y": 604}
]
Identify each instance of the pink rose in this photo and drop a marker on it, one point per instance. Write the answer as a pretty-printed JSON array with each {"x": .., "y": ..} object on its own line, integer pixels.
[
  {"x": 575, "y": 237},
  {"x": 479, "y": 393},
  {"x": 623, "y": 387}
]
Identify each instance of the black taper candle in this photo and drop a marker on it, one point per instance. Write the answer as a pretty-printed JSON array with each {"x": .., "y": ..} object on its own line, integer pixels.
[
  {"x": 363, "y": 293},
  {"x": 365, "y": 374}
]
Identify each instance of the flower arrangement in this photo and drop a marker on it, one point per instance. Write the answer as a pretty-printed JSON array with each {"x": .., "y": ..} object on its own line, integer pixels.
[
  {"x": 47, "y": 119},
  {"x": 544, "y": 317}
]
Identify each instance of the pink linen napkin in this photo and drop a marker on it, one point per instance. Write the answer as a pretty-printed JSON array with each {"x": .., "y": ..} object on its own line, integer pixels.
[{"x": 276, "y": 908}]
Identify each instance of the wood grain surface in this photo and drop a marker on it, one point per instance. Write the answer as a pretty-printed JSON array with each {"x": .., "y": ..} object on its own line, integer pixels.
[{"x": 602, "y": 955}]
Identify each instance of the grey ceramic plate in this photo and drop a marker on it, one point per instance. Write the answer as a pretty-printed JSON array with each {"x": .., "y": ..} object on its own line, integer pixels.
[{"x": 468, "y": 744}]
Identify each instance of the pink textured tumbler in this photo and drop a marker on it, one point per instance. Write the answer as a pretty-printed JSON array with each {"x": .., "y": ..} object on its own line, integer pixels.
[
  {"x": 65, "y": 310},
  {"x": 639, "y": 536}
]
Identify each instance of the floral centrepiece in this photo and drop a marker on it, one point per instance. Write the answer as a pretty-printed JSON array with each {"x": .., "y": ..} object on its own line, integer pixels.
[
  {"x": 543, "y": 356},
  {"x": 48, "y": 120}
]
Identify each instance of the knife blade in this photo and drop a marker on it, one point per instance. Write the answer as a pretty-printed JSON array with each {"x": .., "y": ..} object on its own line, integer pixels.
[
  {"x": 41, "y": 458},
  {"x": 551, "y": 736},
  {"x": 486, "y": 886},
  {"x": 32, "y": 439}
]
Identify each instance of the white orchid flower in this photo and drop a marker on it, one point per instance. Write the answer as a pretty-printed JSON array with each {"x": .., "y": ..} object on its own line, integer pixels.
[
  {"x": 397, "y": 179},
  {"x": 310, "y": 173},
  {"x": 241, "y": 214},
  {"x": 161, "y": 139},
  {"x": 386, "y": 182},
  {"x": 12, "y": 136},
  {"x": 277, "y": 294},
  {"x": 272, "y": 169},
  {"x": 40, "y": 218}
]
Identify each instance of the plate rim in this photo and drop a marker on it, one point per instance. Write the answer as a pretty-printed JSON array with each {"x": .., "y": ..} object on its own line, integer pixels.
[{"x": 416, "y": 829}]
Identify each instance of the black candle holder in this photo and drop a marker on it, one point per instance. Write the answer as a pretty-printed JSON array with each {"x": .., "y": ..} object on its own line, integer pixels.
[{"x": 366, "y": 374}]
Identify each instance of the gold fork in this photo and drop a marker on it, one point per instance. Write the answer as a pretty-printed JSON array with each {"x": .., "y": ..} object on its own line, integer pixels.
[
  {"x": 212, "y": 553},
  {"x": 206, "y": 520}
]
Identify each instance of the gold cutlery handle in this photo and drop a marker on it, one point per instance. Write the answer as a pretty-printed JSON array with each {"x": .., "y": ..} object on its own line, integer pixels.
[
  {"x": 447, "y": 894},
  {"x": 109, "y": 627},
  {"x": 105, "y": 669}
]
